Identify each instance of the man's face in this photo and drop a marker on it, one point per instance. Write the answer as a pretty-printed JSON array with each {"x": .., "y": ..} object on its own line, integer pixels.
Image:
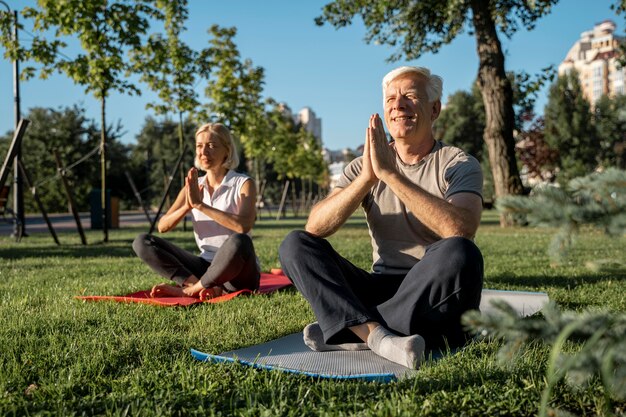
[{"x": 408, "y": 114}]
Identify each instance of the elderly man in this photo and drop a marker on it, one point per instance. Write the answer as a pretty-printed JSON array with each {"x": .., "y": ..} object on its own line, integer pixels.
[{"x": 422, "y": 200}]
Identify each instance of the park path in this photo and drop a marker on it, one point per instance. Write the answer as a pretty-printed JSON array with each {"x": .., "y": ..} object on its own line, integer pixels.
[{"x": 65, "y": 222}]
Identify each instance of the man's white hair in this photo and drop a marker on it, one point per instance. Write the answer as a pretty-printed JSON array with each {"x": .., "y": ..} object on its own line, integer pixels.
[{"x": 434, "y": 84}]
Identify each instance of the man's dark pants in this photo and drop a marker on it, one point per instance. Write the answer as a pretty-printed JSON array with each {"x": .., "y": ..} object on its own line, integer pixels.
[{"x": 429, "y": 300}]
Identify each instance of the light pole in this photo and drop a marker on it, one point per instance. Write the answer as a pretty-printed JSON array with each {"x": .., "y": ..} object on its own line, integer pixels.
[{"x": 19, "y": 228}]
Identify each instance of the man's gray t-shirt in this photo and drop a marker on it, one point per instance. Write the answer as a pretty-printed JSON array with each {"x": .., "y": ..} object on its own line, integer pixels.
[{"x": 399, "y": 240}]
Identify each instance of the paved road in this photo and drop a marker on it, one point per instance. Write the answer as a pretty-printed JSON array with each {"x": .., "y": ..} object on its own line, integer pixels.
[{"x": 65, "y": 222}]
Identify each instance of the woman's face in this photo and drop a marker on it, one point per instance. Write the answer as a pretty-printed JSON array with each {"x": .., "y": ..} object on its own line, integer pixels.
[{"x": 210, "y": 152}]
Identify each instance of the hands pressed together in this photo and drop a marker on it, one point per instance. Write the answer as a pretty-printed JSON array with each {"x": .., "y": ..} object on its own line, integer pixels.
[
  {"x": 193, "y": 190},
  {"x": 378, "y": 155}
]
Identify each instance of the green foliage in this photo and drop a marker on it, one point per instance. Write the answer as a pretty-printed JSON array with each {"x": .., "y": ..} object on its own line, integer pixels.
[
  {"x": 425, "y": 26},
  {"x": 583, "y": 346},
  {"x": 462, "y": 122},
  {"x": 526, "y": 87},
  {"x": 598, "y": 200},
  {"x": 234, "y": 86},
  {"x": 609, "y": 118},
  {"x": 293, "y": 151},
  {"x": 76, "y": 138},
  {"x": 105, "y": 30},
  {"x": 154, "y": 157},
  {"x": 569, "y": 128},
  {"x": 168, "y": 65}
]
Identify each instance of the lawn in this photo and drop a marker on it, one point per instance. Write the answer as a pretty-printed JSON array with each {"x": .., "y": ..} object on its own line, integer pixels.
[{"x": 61, "y": 356}]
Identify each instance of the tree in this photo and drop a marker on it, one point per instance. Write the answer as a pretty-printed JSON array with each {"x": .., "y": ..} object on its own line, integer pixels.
[
  {"x": 105, "y": 29},
  {"x": 425, "y": 26},
  {"x": 569, "y": 129},
  {"x": 282, "y": 139},
  {"x": 462, "y": 122},
  {"x": 234, "y": 87},
  {"x": 609, "y": 118},
  {"x": 171, "y": 68}
]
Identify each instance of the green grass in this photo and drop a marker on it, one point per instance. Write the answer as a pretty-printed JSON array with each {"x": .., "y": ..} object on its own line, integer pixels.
[{"x": 61, "y": 356}]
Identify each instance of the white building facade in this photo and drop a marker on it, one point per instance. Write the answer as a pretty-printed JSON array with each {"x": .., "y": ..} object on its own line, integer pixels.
[{"x": 313, "y": 124}]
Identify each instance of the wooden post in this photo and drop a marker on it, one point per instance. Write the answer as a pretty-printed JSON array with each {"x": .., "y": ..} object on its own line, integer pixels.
[
  {"x": 167, "y": 189},
  {"x": 70, "y": 196},
  {"x": 282, "y": 200},
  {"x": 36, "y": 197},
  {"x": 138, "y": 196},
  {"x": 294, "y": 200}
]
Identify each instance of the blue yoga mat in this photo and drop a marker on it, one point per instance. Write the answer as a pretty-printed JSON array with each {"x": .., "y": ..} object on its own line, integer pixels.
[{"x": 290, "y": 354}]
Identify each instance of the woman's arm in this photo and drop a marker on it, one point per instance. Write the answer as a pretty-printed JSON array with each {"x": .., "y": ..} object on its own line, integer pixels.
[
  {"x": 175, "y": 214},
  {"x": 240, "y": 223}
]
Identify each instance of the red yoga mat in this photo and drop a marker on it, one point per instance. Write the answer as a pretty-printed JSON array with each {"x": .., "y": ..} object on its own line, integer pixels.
[{"x": 268, "y": 283}]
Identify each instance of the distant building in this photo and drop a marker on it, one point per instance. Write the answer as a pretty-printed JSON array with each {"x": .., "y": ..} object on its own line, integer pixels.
[
  {"x": 594, "y": 57},
  {"x": 338, "y": 160},
  {"x": 306, "y": 117}
]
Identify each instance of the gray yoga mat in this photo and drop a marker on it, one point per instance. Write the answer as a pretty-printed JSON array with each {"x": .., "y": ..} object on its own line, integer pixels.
[{"x": 290, "y": 354}]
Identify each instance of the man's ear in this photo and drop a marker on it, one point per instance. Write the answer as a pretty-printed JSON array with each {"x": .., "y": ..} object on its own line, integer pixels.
[{"x": 436, "y": 110}]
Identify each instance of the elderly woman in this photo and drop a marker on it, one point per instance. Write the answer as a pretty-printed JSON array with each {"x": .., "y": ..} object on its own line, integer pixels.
[{"x": 222, "y": 205}]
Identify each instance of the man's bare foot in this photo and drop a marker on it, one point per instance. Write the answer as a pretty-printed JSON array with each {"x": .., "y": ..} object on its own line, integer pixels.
[
  {"x": 208, "y": 293},
  {"x": 166, "y": 290}
]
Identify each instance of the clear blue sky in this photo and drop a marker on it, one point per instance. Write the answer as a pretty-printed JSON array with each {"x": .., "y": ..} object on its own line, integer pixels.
[{"x": 332, "y": 71}]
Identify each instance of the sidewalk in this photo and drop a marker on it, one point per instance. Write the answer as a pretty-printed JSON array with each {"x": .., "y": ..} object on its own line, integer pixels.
[{"x": 65, "y": 222}]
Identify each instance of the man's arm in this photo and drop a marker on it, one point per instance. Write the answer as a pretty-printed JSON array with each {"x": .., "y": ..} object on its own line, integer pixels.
[
  {"x": 458, "y": 216},
  {"x": 330, "y": 214}
]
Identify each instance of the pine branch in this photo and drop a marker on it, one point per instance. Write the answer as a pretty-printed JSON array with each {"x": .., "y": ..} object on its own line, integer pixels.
[
  {"x": 598, "y": 336},
  {"x": 597, "y": 200}
]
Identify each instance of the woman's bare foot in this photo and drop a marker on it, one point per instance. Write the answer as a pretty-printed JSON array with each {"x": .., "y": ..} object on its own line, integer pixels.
[
  {"x": 166, "y": 290},
  {"x": 208, "y": 293}
]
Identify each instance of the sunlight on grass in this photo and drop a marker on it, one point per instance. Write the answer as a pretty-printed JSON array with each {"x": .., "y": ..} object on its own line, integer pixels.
[{"x": 67, "y": 357}]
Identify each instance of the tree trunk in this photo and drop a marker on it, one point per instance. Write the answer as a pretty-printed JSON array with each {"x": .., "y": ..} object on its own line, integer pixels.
[
  {"x": 103, "y": 169},
  {"x": 498, "y": 98}
]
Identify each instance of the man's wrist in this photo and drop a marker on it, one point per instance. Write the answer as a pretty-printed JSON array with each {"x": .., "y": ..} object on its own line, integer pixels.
[
  {"x": 367, "y": 182},
  {"x": 387, "y": 176}
]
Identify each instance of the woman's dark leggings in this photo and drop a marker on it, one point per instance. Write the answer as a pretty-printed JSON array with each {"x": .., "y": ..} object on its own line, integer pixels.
[{"x": 233, "y": 268}]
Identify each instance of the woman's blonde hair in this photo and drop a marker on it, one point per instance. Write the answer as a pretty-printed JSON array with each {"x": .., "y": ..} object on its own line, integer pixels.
[{"x": 221, "y": 132}]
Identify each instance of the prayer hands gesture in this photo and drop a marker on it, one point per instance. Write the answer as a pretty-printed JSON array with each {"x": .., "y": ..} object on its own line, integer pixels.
[
  {"x": 378, "y": 155},
  {"x": 194, "y": 191}
]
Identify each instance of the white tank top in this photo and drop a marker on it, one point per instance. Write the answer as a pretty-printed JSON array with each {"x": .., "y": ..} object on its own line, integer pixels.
[{"x": 209, "y": 234}]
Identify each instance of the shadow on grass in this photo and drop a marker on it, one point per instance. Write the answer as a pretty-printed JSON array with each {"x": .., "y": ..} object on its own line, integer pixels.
[
  {"x": 556, "y": 281},
  {"x": 67, "y": 252}
]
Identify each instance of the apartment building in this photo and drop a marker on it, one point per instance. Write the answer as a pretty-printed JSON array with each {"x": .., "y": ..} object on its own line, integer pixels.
[{"x": 595, "y": 57}]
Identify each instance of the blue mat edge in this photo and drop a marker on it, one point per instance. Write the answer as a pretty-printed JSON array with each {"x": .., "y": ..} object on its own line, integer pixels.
[{"x": 207, "y": 357}]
